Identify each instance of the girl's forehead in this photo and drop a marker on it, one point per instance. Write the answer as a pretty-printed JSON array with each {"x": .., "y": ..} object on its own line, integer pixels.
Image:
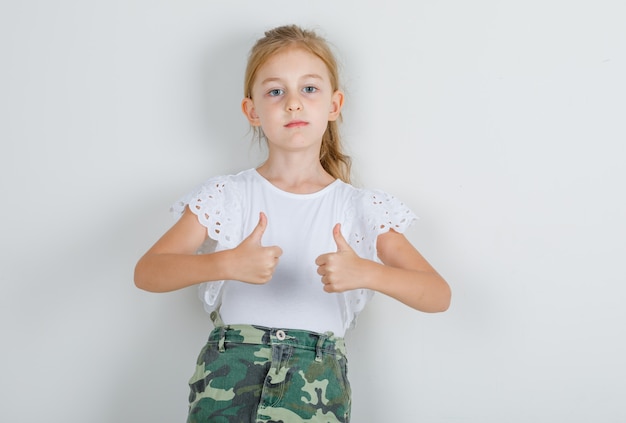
[{"x": 291, "y": 60}]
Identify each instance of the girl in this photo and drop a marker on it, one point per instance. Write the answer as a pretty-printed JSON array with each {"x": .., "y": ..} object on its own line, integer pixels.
[{"x": 297, "y": 251}]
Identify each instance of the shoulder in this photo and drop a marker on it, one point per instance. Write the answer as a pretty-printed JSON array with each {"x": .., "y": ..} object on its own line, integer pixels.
[
  {"x": 372, "y": 199},
  {"x": 223, "y": 181},
  {"x": 222, "y": 184},
  {"x": 212, "y": 192},
  {"x": 380, "y": 209}
]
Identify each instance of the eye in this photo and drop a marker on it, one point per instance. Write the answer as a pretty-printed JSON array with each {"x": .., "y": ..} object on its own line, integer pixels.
[
  {"x": 309, "y": 90},
  {"x": 275, "y": 92}
]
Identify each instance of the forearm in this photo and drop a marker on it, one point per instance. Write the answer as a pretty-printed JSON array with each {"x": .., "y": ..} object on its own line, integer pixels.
[
  {"x": 425, "y": 290},
  {"x": 169, "y": 272}
]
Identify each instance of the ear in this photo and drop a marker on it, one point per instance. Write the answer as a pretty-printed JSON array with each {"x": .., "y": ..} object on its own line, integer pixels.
[
  {"x": 247, "y": 107},
  {"x": 336, "y": 104}
]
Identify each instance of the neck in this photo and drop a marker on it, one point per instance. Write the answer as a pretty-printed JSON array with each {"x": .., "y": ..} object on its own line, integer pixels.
[{"x": 295, "y": 174}]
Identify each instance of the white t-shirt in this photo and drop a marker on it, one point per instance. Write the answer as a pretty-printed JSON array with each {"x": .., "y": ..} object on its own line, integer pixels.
[{"x": 301, "y": 225}]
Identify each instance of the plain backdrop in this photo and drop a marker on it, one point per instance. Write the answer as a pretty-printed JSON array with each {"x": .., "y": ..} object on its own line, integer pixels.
[{"x": 500, "y": 123}]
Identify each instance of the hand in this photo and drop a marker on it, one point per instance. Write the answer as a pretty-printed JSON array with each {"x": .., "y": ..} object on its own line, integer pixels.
[
  {"x": 255, "y": 263},
  {"x": 343, "y": 270}
]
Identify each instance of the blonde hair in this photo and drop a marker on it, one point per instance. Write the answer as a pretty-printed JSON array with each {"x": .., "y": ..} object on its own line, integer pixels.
[{"x": 332, "y": 158}]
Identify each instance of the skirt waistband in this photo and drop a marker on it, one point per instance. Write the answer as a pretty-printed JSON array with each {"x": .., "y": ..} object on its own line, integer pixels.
[{"x": 260, "y": 335}]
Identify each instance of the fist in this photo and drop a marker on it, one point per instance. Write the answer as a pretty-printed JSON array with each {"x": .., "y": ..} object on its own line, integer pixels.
[
  {"x": 255, "y": 263},
  {"x": 341, "y": 270}
]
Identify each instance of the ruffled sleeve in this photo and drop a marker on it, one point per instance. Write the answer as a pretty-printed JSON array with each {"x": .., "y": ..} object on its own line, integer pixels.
[
  {"x": 216, "y": 205},
  {"x": 372, "y": 213}
]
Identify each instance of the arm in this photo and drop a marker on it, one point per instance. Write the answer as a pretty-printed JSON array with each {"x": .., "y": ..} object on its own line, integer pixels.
[
  {"x": 407, "y": 276},
  {"x": 404, "y": 275},
  {"x": 172, "y": 262}
]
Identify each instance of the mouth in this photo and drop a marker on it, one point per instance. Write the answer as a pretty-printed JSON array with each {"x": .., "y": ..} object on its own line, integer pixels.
[{"x": 296, "y": 124}]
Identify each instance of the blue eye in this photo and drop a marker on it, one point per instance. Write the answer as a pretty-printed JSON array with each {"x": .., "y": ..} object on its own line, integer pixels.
[
  {"x": 275, "y": 92},
  {"x": 309, "y": 90}
]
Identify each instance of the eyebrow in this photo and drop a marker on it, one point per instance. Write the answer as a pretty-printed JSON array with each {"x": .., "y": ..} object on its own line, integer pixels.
[{"x": 276, "y": 79}]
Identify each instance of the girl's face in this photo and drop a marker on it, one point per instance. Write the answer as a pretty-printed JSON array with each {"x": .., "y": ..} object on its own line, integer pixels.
[{"x": 293, "y": 100}]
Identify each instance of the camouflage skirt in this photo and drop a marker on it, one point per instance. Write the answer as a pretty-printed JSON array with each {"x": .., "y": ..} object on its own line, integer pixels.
[{"x": 254, "y": 374}]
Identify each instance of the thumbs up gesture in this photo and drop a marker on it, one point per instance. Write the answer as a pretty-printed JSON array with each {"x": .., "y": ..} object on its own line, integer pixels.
[
  {"x": 255, "y": 263},
  {"x": 341, "y": 270}
]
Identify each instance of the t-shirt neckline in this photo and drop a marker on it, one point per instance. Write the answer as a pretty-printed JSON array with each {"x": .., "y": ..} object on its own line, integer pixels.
[{"x": 273, "y": 187}]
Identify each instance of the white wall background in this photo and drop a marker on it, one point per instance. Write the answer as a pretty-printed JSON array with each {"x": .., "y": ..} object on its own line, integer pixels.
[{"x": 502, "y": 124}]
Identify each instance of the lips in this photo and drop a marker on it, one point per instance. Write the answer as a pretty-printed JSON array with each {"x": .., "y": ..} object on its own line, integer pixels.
[{"x": 296, "y": 124}]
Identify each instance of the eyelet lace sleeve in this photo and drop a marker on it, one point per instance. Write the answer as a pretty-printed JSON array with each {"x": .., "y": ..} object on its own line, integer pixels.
[
  {"x": 216, "y": 206},
  {"x": 215, "y": 203},
  {"x": 372, "y": 213}
]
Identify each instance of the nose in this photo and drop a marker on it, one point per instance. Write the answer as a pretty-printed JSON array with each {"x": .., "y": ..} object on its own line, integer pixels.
[{"x": 293, "y": 104}]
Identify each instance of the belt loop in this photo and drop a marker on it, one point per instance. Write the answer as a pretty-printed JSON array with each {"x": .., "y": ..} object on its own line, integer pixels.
[
  {"x": 222, "y": 339},
  {"x": 216, "y": 318},
  {"x": 320, "y": 343}
]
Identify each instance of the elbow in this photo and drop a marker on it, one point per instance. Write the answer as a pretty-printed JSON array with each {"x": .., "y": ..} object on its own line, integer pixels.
[
  {"x": 147, "y": 278},
  {"x": 141, "y": 278},
  {"x": 446, "y": 298},
  {"x": 444, "y": 306},
  {"x": 442, "y": 301},
  {"x": 139, "y": 281}
]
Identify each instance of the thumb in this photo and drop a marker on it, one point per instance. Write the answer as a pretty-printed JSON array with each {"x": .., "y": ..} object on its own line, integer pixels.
[
  {"x": 342, "y": 244},
  {"x": 259, "y": 230}
]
